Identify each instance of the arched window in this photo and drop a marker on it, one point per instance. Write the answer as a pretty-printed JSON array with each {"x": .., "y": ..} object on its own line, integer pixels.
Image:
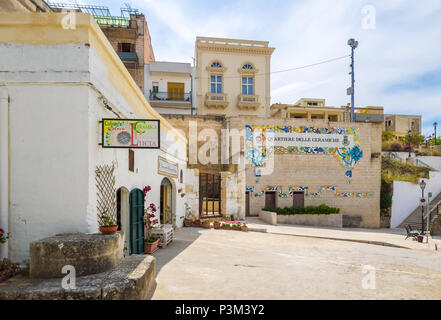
[
  {"x": 247, "y": 66},
  {"x": 216, "y": 64}
]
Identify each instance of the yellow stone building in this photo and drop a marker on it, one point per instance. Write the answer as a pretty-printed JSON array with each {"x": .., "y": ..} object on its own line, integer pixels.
[
  {"x": 311, "y": 108},
  {"x": 233, "y": 76},
  {"x": 400, "y": 124}
]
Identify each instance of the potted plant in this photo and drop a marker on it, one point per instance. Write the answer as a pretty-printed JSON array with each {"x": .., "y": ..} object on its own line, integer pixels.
[
  {"x": 197, "y": 223},
  {"x": 150, "y": 245},
  {"x": 188, "y": 214},
  {"x": 226, "y": 226},
  {"x": 150, "y": 220},
  {"x": 107, "y": 223},
  {"x": 8, "y": 269},
  {"x": 3, "y": 237},
  {"x": 236, "y": 226},
  {"x": 206, "y": 224},
  {"x": 216, "y": 225},
  {"x": 244, "y": 226}
]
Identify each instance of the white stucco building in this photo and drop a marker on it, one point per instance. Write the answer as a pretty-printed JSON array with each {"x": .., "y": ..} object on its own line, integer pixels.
[{"x": 169, "y": 87}]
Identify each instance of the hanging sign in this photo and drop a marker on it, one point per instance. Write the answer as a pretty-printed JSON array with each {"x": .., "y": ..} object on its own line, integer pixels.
[{"x": 131, "y": 133}]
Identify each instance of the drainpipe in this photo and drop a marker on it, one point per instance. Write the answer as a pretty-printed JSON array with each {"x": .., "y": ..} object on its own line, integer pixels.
[{"x": 4, "y": 166}]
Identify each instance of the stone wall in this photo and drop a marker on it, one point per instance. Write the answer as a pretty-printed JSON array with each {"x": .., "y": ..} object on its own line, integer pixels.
[{"x": 323, "y": 175}]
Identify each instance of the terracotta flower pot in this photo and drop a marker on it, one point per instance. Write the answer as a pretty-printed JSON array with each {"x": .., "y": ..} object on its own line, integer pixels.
[
  {"x": 216, "y": 225},
  {"x": 196, "y": 224},
  {"x": 226, "y": 227},
  {"x": 244, "y": 228},
  {"x": 149, "y": 247},
  {"x": 187, "y": 222},
  {"x": 108, "y": 229},
  {"x": 206, "y": 224}
]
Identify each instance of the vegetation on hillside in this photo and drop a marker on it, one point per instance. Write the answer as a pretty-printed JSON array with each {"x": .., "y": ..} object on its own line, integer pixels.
[
  {"x": 392, "y": 170},
  {"x": 390, "y": 142}
]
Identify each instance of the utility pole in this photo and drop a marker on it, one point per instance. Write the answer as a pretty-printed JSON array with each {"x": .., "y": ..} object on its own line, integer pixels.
[{"x": 353, "y": 44}]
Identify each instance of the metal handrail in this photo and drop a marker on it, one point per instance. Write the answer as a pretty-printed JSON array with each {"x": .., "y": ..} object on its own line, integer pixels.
[
  {"x": 170, "y": 96},
  {"x": 422, "y": 163}
]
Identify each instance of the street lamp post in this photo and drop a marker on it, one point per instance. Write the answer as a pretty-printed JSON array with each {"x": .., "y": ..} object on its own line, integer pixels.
[
  {"x": 435, "y": 124},
  {"x": 422, "y": 186},
  {"x": 408, "y": 140},
  {"x": 353, "y": 44}
]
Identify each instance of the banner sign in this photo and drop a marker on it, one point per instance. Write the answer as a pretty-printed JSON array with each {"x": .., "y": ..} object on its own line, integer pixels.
[
  {"x": 130, "y": 133},
  {"x": 262, "y": 141},
  {"x": 167, "y": 168}
]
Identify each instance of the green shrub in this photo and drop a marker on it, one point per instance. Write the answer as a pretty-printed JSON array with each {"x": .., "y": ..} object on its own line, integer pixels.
[{"x": 321, "y": 209}]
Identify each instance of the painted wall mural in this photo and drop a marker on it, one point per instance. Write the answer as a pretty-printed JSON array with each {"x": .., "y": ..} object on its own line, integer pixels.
[
  {"x": 308, "y": 192},
  {"x": 342, "y": 143}
]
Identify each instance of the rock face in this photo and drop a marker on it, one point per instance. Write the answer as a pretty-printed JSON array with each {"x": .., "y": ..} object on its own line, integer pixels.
[
  {"x": 132, "y": 279},
  {"x": 88, "y": 253}
]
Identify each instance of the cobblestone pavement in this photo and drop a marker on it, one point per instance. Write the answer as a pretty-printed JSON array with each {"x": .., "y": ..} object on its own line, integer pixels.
[{"x": 221, "y": 264}]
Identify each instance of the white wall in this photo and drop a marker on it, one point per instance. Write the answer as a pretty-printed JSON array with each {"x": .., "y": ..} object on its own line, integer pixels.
[
  {"x": 406, "y": 197},
  {"x": 54, "y": 132},
  {"x": 434, "y": 162}
]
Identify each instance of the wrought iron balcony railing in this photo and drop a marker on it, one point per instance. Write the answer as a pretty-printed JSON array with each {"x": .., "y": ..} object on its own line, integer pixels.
[{"x": 170, "y": 96}]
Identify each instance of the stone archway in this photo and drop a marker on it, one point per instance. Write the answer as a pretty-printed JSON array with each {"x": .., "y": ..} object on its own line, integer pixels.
[{"x": 123, "y": 216}]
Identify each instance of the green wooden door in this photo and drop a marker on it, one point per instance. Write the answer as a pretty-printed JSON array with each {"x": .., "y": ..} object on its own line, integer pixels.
[{"x": 136, "y": 222}]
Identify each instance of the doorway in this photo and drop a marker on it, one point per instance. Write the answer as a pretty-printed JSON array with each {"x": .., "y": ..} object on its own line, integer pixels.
[
  {"x": 270, "y": 199},
  {"x": 298, "y": 199},
  {"x": 247, "y": 204},
  {"x": 209, "y": 195},
  {"x": 123, "y": 216},
  {"x": 136, "y": 222},
  {"x": 165, "y": 207}
]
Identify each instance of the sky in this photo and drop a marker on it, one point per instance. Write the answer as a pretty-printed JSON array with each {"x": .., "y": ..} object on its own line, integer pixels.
[{"x": 397, "y": 62}]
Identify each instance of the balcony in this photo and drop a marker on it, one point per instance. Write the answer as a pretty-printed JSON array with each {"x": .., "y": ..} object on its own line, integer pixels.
[
  {"x": 170, "y": 99},
  {"x": 248, "y": 101},
  {"x": 216, "y": 100}
]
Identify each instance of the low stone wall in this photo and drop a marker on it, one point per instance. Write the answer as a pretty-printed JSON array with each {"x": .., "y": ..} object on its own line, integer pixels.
[
  {"x": 321, "y": 220},
  {"x": 88, "y": 253},
  {"x": 268, "y": 217}
]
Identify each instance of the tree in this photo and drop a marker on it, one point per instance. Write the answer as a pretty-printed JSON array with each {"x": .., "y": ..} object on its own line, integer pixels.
[
  {"x": 415, "y": 139},
  {"x": 387, "y": 136}
]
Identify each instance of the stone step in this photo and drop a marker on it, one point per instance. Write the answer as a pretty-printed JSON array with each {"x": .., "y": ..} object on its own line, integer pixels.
[{"x": 132, "y": 279}]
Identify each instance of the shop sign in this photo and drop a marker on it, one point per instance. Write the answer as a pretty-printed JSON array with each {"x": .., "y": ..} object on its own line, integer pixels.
[
  {"x": 167, "y": 168},
  {"x": 131, "y": 133}
]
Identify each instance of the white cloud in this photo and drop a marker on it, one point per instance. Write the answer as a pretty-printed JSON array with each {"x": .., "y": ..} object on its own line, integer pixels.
[{"x": 404, "y": 46}]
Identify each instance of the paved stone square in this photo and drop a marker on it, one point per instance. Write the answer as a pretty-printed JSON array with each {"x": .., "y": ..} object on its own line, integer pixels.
[{"x": 223, "y": 264}]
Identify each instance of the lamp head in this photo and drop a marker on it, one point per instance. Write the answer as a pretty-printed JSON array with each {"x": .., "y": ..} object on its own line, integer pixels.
[
  {"x": 435, "y": 124},
  {"x": 353, "y": 43},
  {"x": 422, "y": 184}
]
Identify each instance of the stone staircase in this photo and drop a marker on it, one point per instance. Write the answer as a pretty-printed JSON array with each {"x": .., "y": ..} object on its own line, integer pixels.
[{"x": 414, "y": 219}]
